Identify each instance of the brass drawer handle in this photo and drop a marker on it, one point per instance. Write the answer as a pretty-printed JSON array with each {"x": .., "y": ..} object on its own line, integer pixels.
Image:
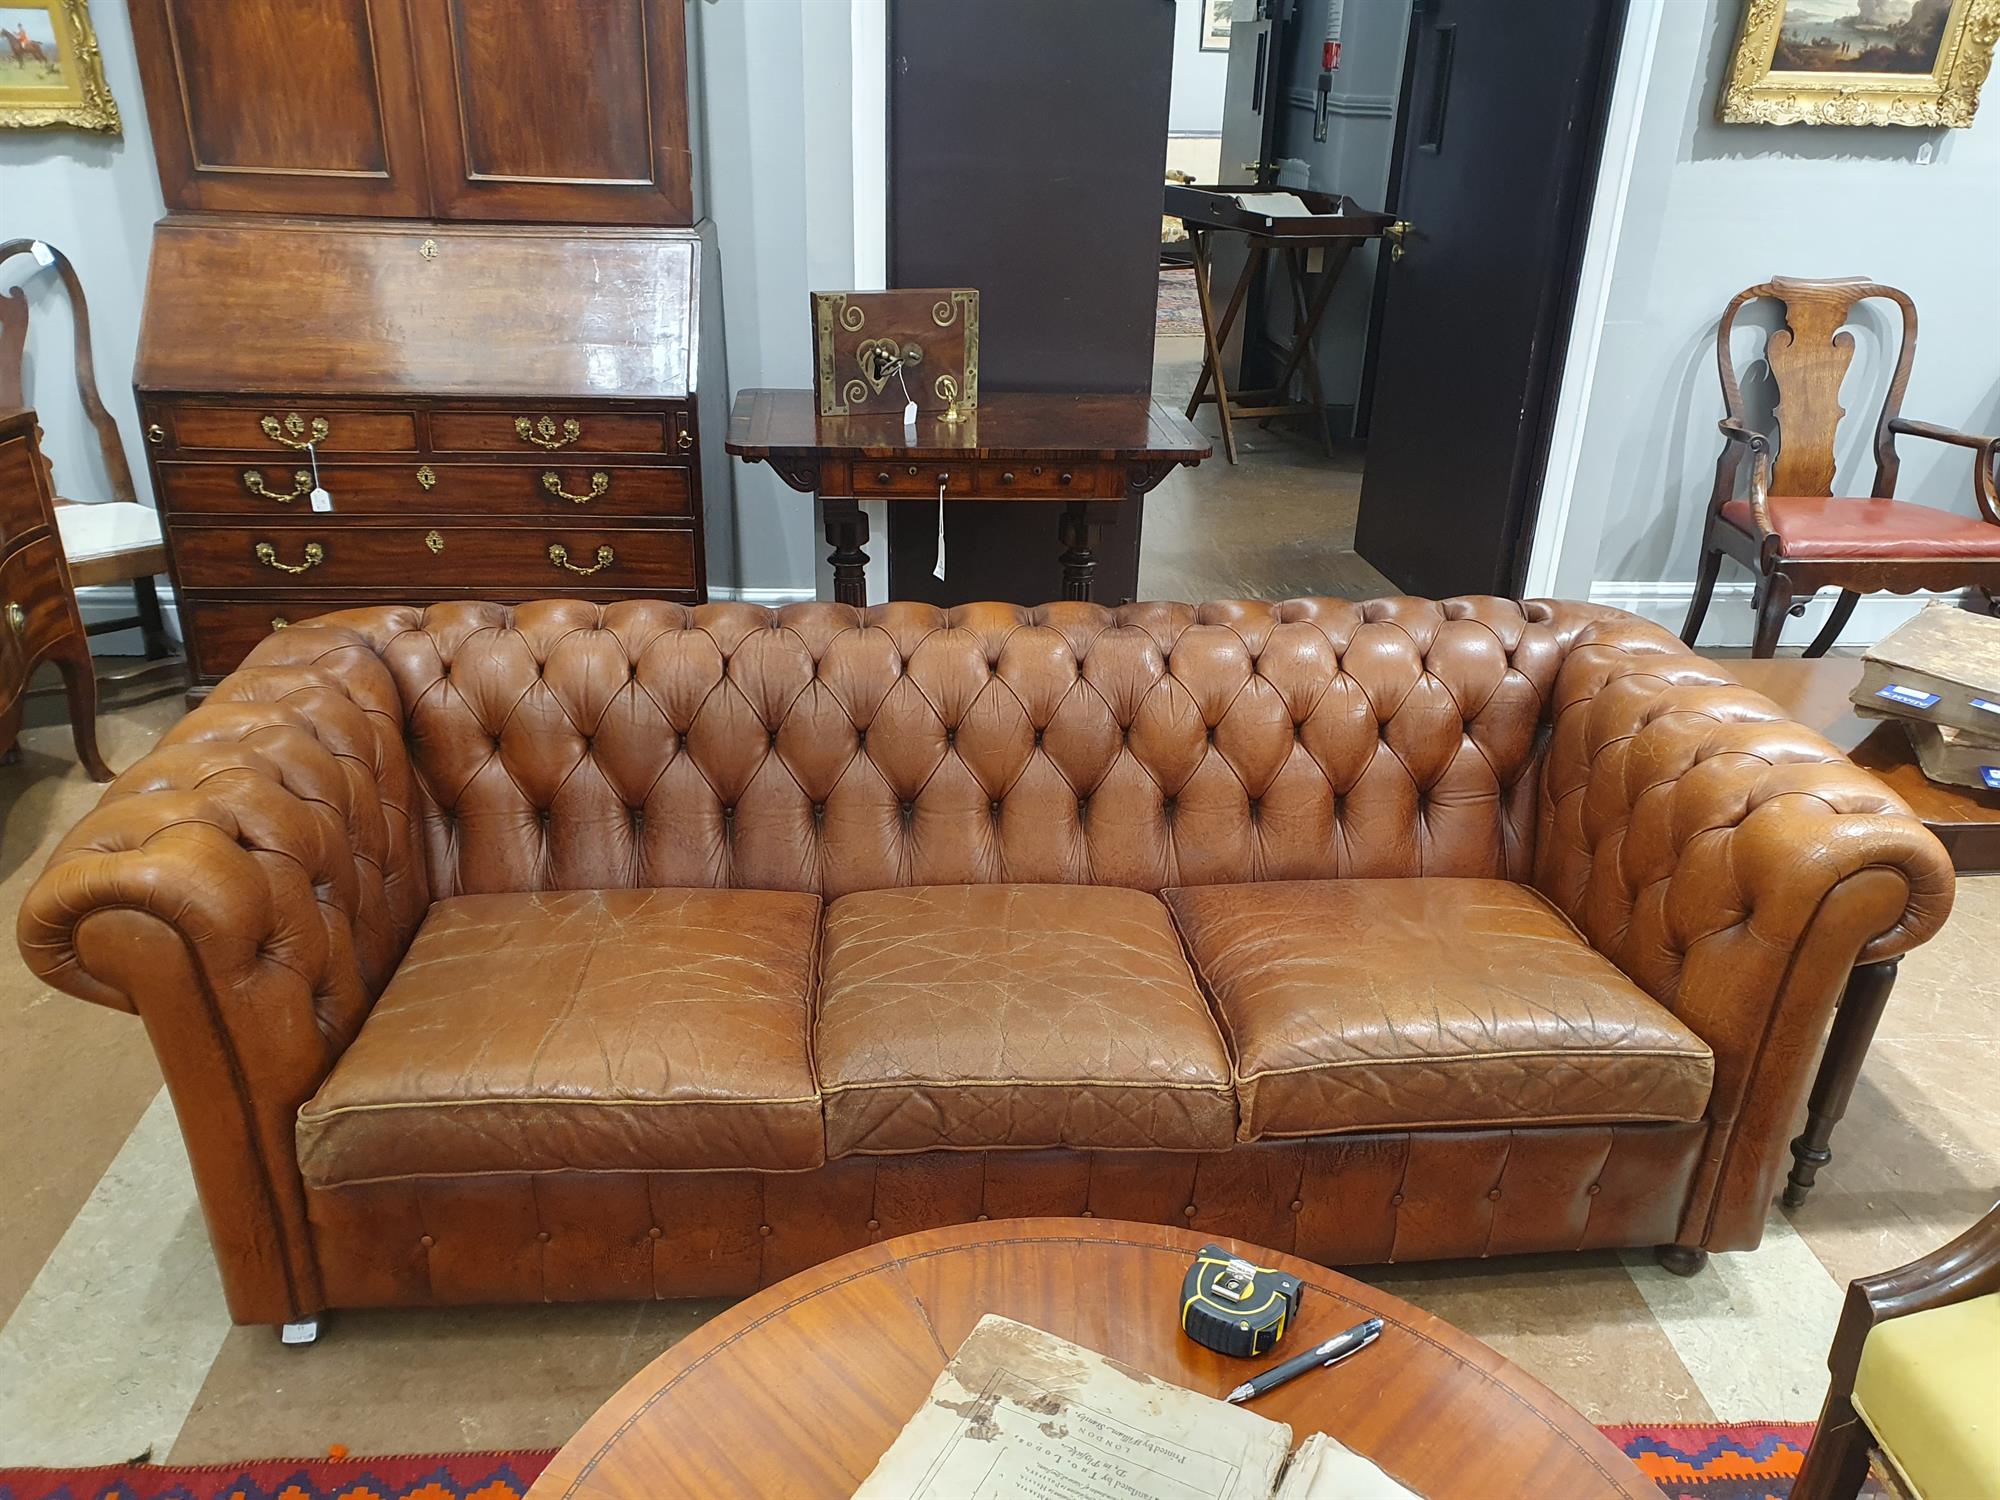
[
  {"x": 543, "y": 434},
  {"x": 559, "y": 555},
  {"x": 155, "y": 434},
  {"x": 293, "y": 432},
  {"x": 685, "y": 441},
  {"x": 302, "y": 483},
  {"x": 17, "y": 618},
  {"x": 599, "y": 483},
  {"x": 268, "y": 556}
]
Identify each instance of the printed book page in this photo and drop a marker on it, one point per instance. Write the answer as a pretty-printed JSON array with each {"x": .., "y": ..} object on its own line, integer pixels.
[
  {"x": 1023, "y": 1415},
  {"x": 1323, "y": 1470}
]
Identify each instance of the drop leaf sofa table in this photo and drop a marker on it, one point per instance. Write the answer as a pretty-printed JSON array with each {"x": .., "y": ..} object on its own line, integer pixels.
[
  {"x": 799, "y": 1390},
  {"x": 1082, "y": 452},
  {"x": 1380, "y": 931}
]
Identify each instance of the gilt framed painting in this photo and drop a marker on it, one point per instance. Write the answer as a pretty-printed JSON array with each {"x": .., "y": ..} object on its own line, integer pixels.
[
  {"x": 50, "y": 71},
  {"x": 1860, "y": 62}
]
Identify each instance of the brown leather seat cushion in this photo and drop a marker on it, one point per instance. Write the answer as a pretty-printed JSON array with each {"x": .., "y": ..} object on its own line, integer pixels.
[
  {"x": 1831, "y": 527},
  {"x": 1399, "y": 1004},
  {"x": 662, "y": 1030},
  {"x": 972, "y": 1017}
]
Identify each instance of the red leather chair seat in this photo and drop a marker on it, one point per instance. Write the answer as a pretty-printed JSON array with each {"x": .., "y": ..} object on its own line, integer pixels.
[{"x": 1833, "y": 527}]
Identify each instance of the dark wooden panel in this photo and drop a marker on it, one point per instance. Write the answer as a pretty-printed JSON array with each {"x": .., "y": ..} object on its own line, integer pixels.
[
  {"x": 241, "y": 428},
  {"x": 548, "y": 432},
  {"x": 397, "y": 559},
  {"x": 357, "y": 308},
  {"x": 284, "y": 106},
  {"x": 424, "y": 490},
  {"x": 573, "y": 112},
  {"x": 1027, "y": 149},
  {"x": 32, "y": 579}
]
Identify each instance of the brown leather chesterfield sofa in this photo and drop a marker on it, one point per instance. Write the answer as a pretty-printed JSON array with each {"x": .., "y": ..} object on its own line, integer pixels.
[{"x": 577, "y": 950}]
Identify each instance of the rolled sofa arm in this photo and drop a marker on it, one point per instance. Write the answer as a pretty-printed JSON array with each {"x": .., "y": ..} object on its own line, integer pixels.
[
  {"x": 1736, "y": 866},
  {"x": 246, "y": 889}
]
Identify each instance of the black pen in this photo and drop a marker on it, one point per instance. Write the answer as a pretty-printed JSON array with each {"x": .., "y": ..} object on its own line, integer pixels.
[{"x": 1332, "y": 1352}]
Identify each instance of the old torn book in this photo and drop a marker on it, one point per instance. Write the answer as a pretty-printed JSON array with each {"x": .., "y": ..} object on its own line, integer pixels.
[
  {"x": 1023, "y": 1415},
  {"x": 1955, "y": 757},
  {"x": 1940, "y": 667}
]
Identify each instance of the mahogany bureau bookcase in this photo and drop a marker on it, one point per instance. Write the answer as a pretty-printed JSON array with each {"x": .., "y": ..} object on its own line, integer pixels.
[{"x": 442, "y": 260}]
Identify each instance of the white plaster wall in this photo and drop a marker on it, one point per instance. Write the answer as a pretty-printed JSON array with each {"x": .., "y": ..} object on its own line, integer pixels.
[
  {"x": 1195, "y": 107},
  {"x": 1713, "y": 209},
  {"x": 95, "y": 198}
]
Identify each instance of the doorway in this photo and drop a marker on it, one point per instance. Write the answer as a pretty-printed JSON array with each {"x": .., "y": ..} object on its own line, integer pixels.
[
  {"x": 1477, "y": 128},
  {"x": 1258, "y": 109}
]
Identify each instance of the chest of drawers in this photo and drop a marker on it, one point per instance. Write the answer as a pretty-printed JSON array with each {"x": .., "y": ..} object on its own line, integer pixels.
[{"x": 525, "y": 422}]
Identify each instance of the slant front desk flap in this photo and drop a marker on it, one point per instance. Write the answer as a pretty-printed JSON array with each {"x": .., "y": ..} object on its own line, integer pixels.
[{"x": 392, "y": 307}]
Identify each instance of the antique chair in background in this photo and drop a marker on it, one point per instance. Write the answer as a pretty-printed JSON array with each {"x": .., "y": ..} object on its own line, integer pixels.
[
  {"x": 108, "y": 541},
  {"x": 1793, "y": 532},
  {"x": 1916, "y": 1367}
]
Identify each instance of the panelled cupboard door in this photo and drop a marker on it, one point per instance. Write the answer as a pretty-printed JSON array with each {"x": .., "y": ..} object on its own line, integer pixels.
[
  {"x": 573, "y": 112},
  {"x": 283, "y": 106}
]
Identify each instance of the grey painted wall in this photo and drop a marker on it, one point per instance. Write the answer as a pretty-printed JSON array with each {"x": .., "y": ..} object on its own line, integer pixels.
[
  {"x": 1353, "y": 159},
  {"x": 1713, "y": 209},
  {"x": 1196, "y": 105},
  {"x": 95, "y": 197}
]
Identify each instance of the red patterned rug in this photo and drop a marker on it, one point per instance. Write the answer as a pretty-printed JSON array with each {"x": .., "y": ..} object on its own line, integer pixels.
[{"x": 1744, "y": 1461}]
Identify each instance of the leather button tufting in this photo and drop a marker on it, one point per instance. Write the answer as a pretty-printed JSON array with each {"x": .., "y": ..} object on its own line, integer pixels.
[
  {"x": 1086, "y": 1214},
  {"x": 983, "y": 1218},
  {"x": 1494, "y": 1195},
  {"x": 655, "y": 1233},
  {"x": 543, "y": 1236},
  {"x": 1594, "y": 1189},
  {"x": 873, "y": 1225},
  {"x": 764, "y": 1229},
  {"x": 426, "y": 1241},
  {"x": 1188, "y": 1212},
  {"x": 1396, "y": 1201},
  {"x": 1298, "y": 1205}
]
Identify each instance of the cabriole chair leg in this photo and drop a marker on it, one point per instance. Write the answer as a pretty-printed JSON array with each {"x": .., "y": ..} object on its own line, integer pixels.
[{"x": 1704, "y": 590}]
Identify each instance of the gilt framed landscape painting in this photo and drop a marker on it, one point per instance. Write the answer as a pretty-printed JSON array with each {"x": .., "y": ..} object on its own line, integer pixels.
[
  {"x": 50, "y": 72},
  {"x": 1860, "y": 62}
]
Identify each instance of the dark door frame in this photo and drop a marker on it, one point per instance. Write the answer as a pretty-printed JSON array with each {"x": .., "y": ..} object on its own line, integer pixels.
[{"x": 1556, "y": 321}]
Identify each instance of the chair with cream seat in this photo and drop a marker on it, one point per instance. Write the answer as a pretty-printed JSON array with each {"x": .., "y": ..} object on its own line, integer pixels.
[
  {"x": 1916, "y": 1376},
  {"x": 109, "y": 541}
]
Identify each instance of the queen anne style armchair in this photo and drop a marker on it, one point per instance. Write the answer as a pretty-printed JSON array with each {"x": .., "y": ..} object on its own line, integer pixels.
[
  {"x": 1916, "y": 1374},
  {"x": 1793, "y": 531}
]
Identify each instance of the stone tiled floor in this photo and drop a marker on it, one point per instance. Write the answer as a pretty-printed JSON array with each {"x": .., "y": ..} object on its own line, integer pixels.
[{"x": 114, "y": 1340}]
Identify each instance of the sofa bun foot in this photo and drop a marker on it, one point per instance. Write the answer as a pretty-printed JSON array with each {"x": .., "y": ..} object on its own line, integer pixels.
[
  {"x": 304, "y": 1331},
  {"x": 1681, "y": 1260}
]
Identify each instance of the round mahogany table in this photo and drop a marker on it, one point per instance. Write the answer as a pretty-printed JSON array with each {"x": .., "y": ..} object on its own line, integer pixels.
[{"x": 797, "y": 1391}]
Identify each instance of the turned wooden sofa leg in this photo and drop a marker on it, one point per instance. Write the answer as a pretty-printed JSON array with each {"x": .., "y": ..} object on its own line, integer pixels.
[
  {"x": 1846, "y": 1047},
  {"x": 1682, "y": 1260}
]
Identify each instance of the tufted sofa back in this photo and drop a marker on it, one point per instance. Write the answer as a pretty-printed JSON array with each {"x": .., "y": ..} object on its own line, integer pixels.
[{"x": 564, "y": 744}]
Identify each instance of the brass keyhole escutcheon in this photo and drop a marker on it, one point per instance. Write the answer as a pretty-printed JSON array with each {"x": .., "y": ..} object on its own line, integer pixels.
[
  {"x": 17, "y": 618},
  {"x": 279, "y": 622},
  {"x": 427, "y": 478},
  {"x": 435, "y": 541},
  {"x": 428, "y": 249}
]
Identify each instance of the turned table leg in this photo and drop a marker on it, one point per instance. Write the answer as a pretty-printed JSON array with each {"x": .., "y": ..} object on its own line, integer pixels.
[
  {"x": 847, "y": 534},
  {"x": 1846, "y": 1046},
  {"x": 1078, "y": 533}
]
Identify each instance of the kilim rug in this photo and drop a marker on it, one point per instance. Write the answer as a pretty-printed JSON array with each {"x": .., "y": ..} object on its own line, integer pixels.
[
  {"x": 1179, "y": 314},
  {"x": 1745, "y": 1461}
]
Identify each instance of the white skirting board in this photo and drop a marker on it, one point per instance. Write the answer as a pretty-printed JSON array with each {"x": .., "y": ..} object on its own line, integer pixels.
[{"x": 1729, "y": 621}]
